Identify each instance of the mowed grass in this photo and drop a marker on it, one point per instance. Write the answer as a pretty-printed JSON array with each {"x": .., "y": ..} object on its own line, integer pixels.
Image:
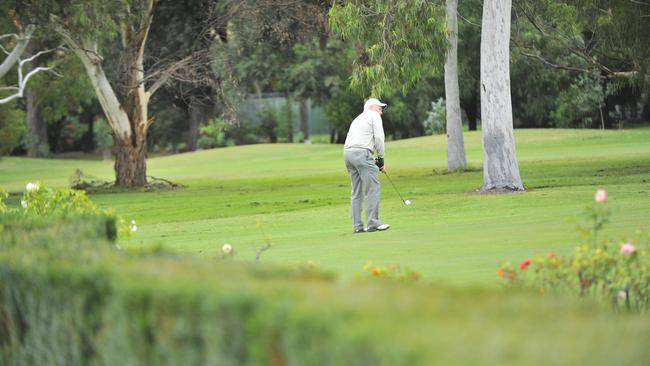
[{"x": 296, "y": 197}]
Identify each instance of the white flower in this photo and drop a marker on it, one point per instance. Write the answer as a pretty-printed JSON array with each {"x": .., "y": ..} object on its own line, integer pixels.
[
  {"x": 31, "y": 187},
  {"x": 132, "y": 222},
  {"x": 226, "y": 249},
  {"x": 134, "y": 228},
  {"x": 23, "y": 203}
]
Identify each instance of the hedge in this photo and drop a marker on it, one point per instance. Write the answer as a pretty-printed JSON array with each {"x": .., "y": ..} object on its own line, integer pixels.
[{"x": 69, "y": 296}]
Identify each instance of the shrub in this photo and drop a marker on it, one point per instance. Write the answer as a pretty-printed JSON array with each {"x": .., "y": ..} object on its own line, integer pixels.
[
  {"x": 393, "y": 272},
  {"x": 436, "y": 122},
  {"x": 41, "y": 201},
  {"x": 213, "y": 134},
  {"x": 66, "y": 299},
  {"x": 617, "y": 271}
]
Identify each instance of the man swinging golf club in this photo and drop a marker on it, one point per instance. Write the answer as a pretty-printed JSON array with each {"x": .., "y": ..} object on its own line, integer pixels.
[{"x": 365, "y": 136}]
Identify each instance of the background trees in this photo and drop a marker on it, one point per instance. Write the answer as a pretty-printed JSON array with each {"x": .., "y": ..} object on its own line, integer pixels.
[{"x": 573, "y": 63}]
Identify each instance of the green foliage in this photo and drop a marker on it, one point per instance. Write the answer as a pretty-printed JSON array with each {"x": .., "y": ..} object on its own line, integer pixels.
[
  {"x": 392, "y": 272},
  {"x": 213, "y": 134},
  {"x": 564, "y": 49},
  {"x": 3, "y": 197},
  {"x": 94, "y": 19},
  {"x": 269, "y": 124},
  {"x": 102, "y": 134},
  {"x": 436, "y": 122},
  {"x": 577, "y": 106},
  {"x": 600, "y": 268},
  {"x": 68, "y": 296},
  {"x": 12, "y": 127},
  {"x": 39, "y": 201},
  {"x": 401, "y": 41}
]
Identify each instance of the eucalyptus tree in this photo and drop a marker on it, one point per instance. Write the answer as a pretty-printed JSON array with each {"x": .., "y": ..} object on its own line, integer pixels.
[
  {"x": 500, "y": 166},
  {"x": 455, "y": 146},
  {"x": 402, "y": 42},
  {"x": 109, "y": 38}
]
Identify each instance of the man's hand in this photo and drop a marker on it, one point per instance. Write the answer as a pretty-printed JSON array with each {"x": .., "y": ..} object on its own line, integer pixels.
[{"x": 380, "y": 163}]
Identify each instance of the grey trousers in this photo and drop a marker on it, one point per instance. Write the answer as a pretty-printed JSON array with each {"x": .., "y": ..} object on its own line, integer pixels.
[{"x": 363, "y": 174}]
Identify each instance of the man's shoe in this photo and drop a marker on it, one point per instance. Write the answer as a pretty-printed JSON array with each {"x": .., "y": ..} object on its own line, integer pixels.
[{"x": 381, "y": 227}]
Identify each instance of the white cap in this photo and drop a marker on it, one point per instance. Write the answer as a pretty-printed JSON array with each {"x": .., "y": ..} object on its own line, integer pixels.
[{"x": 374, "y": 101}]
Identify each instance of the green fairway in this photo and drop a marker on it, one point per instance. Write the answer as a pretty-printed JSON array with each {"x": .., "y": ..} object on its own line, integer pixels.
[{"x": 296, "y": 197}]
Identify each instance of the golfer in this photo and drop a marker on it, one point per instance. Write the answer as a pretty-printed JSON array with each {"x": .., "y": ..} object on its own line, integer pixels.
[{"x": 366, "y": 135}]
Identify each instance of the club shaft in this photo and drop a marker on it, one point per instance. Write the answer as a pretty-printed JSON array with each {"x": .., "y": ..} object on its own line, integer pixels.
[{"x": 393, "y": 184}]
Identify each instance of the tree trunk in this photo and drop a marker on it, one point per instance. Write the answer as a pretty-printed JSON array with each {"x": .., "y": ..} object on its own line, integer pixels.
[
  {"x": 37, "y": 145},
  {"x": 130, "y": 163},
  {"x": 500, "y": 167},
  {"x": 127, "y": 117},
  {"x": 289, "y": 116},
  {"x": 471, "y": 107},
  {"x": 304, "y": 120},
  {"x": 199, "y": 113},
  {"x": 455, "y": 146}
]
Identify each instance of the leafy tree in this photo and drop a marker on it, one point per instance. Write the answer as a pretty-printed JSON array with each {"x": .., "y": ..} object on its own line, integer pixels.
[
  {"x": 402, "y": 43},
  {"x": 604, "y": 37},
  {"x": 12, "y": 127},
  {"x": 116, "y": 31},
  {"x": 279, "y": 47}
]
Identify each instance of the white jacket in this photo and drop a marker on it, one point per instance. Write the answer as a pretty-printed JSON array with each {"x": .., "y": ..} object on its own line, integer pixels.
[{"x": 366, "y": 132}]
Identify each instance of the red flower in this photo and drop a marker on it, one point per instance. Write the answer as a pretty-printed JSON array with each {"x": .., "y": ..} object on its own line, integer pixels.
[
  {"x": 524, "y": 264},
  {"x": 551, "y": 254},
  {"x": 500, "y": 272}
]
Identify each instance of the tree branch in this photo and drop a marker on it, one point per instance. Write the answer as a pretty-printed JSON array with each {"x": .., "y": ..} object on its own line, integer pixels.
[
  {"x": 14, "y": 56},
  {"x": 173, "y": 71},
  {"x": 22, "y": 82}
]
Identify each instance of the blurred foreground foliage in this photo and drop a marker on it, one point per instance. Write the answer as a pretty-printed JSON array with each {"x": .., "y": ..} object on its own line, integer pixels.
[{"x": 70, "y": 296}]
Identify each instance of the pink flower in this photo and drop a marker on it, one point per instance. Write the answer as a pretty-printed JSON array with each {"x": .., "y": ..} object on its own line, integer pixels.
[
  {"x": 627, "y": 248},
  {"x": 601, "y": 196}
]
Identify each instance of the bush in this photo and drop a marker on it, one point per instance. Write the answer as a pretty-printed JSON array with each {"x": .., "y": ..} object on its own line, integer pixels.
[
  {"x": 12, "y": 127},
  {"x": 66, "y": 298},
  {"x": 41, "y": 201},
  {"x": 612, "y": 271},
  {"x": 436, "y": 122},
  {"x": 577, "y": 106},
  {"x": 213, "y": 134}
]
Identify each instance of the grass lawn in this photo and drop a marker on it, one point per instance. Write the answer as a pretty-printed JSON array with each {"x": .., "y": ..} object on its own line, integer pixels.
[{"x": 296, "y": 197}]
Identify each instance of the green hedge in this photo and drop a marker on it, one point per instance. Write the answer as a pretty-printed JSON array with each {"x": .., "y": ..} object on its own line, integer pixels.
[{"x": 93, "y": 304}]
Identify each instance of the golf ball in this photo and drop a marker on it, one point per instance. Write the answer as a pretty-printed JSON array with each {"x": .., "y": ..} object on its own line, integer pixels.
[
  {"x": 226, "y": 249},
  {"x": 407, "y": 202}
]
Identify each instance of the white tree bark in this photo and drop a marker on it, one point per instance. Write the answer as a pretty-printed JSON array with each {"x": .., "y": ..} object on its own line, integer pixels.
[
  {"x": 455, "y": 145},
  {"x": 116, "y": 116},
  {"x": 500, "y": 167},
  {"x": 19, "y": 90},
  {"x": 14, "y": 56}
]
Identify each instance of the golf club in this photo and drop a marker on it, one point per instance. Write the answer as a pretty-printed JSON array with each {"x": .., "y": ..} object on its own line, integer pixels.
[{"x": 406, "y": 202}]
